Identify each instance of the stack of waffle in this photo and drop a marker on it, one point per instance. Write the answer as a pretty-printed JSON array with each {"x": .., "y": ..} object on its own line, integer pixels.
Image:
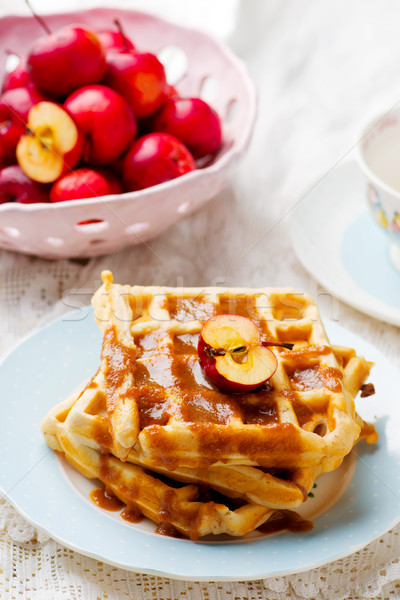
[{"x": 166, "y": 442}]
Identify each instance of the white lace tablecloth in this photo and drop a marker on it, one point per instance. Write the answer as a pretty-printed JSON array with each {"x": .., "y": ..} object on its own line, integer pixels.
[{"x": 322, "y": 68}]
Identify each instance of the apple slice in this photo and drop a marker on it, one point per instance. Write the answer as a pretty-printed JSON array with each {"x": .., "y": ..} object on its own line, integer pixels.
[
  {"x": 53, "y": 144},
  {"x": 232, "y": 356}
]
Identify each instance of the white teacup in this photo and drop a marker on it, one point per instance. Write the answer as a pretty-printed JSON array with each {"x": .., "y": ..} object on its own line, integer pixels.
[{"x": 379, "y": 158}]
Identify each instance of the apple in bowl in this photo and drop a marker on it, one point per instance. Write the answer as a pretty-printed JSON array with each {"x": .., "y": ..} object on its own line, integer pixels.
[
  {"x": 15, "y": 186},
  {"x": 115, "y": 40},
  {"x": 85, "y": 183},
  {"x": 232, "y": 355},
  {"x": 194, "y": 122},
  {"x": 153, "y": 159},
  {"x": 63, "y": 61},
  {"x": 139, "y": 77},
  {"x": 52, "y": 145},
  {"x": 106, "y": 121}
]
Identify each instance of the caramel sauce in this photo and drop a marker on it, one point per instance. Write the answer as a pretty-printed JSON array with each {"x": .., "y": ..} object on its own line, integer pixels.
[
  {"x": 262, "y": 411},
  {"x": 169, "y": 530},
  {"x": 153, "y": 407},
  {"x": 303, "y": 412},
  {"x": 147, "y": 343},
  {"x": 119, "y": 360},
  {"x": 105, "y": 499},
  {"x": 369, "y": 433},
  {"x": 190, "y": 309},
  {"x": 186, "y": 343},
  {"x": 167, "y": 507},
  {"x": 177, "y": 368},
  {"x": 287, "y": 520},
  {"x": 132, "y": 513},
  {"x": 101, "y": 433},
  {"x": 198, "y": 408},
  {"x": 316, "y": 377},
  {"x": 240, "y": 304},
  {"x": 171, "y": 510},
  {"x": 172, "y": 369},
  {"x": 287, "y": 307},
  {"x": 307, "y": 353},
  {"x": 139, "y": 306}
]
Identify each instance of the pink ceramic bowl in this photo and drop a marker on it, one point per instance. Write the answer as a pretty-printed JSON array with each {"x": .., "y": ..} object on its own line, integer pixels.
[{"x": 52, "y": 231}]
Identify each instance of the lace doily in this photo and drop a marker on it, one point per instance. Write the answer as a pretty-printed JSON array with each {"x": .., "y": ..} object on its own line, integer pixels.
[{"x": 40, "y": 566}]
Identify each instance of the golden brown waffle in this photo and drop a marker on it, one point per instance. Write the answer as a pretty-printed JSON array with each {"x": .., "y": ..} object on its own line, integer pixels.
[
  {"x": 81, "y": 423},
  {"x": 150, "y": 405},
  {"x": 78, "y": 429},
  {"x": 305, "y": 417}
]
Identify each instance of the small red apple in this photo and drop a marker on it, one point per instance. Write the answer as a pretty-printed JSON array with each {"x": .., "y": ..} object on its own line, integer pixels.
[
  {"x": 155, "y": 158},
  {"x": 115, "y": 40},
  {"x": 232, "y": 356},
  {"x": 85, "y": 183},
  {"x": 15, "y": 105},
  {"x": 15, "y": 186},
  {"x": 52, "y": 145},
  {"x": 192, "y": 121},
  {"x": 66, "y": 60},
  {"x": 106, "y": 121},
  {"x": 139, "y": 78},
  {"x": 18, "y": 77}
]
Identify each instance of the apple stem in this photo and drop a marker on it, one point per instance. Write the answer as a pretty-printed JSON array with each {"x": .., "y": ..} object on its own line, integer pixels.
[
  {"x": 39, "y": 19},
  {"x": 280, "y": 344},
  {"x": 117, "y": 22}
]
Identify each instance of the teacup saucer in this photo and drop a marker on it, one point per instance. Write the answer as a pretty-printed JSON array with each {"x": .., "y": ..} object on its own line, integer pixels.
[{"x": 337, "y": 241}]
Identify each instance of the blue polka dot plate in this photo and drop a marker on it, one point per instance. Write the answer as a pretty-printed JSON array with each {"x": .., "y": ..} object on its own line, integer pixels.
[
  {"x": 350, "y": 507},
  {"x": 339, "y": 243}
]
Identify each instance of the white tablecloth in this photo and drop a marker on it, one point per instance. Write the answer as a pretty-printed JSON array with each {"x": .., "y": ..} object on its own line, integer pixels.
[{"x": 322, "y": 68}]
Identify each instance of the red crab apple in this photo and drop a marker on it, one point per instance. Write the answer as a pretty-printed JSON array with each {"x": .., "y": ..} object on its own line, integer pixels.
[
  {"x": 53, "y": 144},
  {"x": 139, "y": 78},
  {"x": 85, "y": 183},
  {"x": 232, "y": 356},
  {"x": 15, "y": 186},
  {"x": 18, "y": 77},
  {"x": 66, "y": 60},
  {"x": 14, "y": 109},
  {"x": 115, "y": 39},
  {"x": 106, "y": 121},
  {"x": 192, "y": 121},
  {"x": 155, "y": 158}
]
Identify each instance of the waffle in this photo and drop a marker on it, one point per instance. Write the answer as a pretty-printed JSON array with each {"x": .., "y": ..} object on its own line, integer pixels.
[
  {"x": 151, "y": 428},
  {"x": 304, "y": 418}
]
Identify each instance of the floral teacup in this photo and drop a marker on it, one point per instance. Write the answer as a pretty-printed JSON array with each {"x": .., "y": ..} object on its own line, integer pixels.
[{"x": 379, "y": 158}]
